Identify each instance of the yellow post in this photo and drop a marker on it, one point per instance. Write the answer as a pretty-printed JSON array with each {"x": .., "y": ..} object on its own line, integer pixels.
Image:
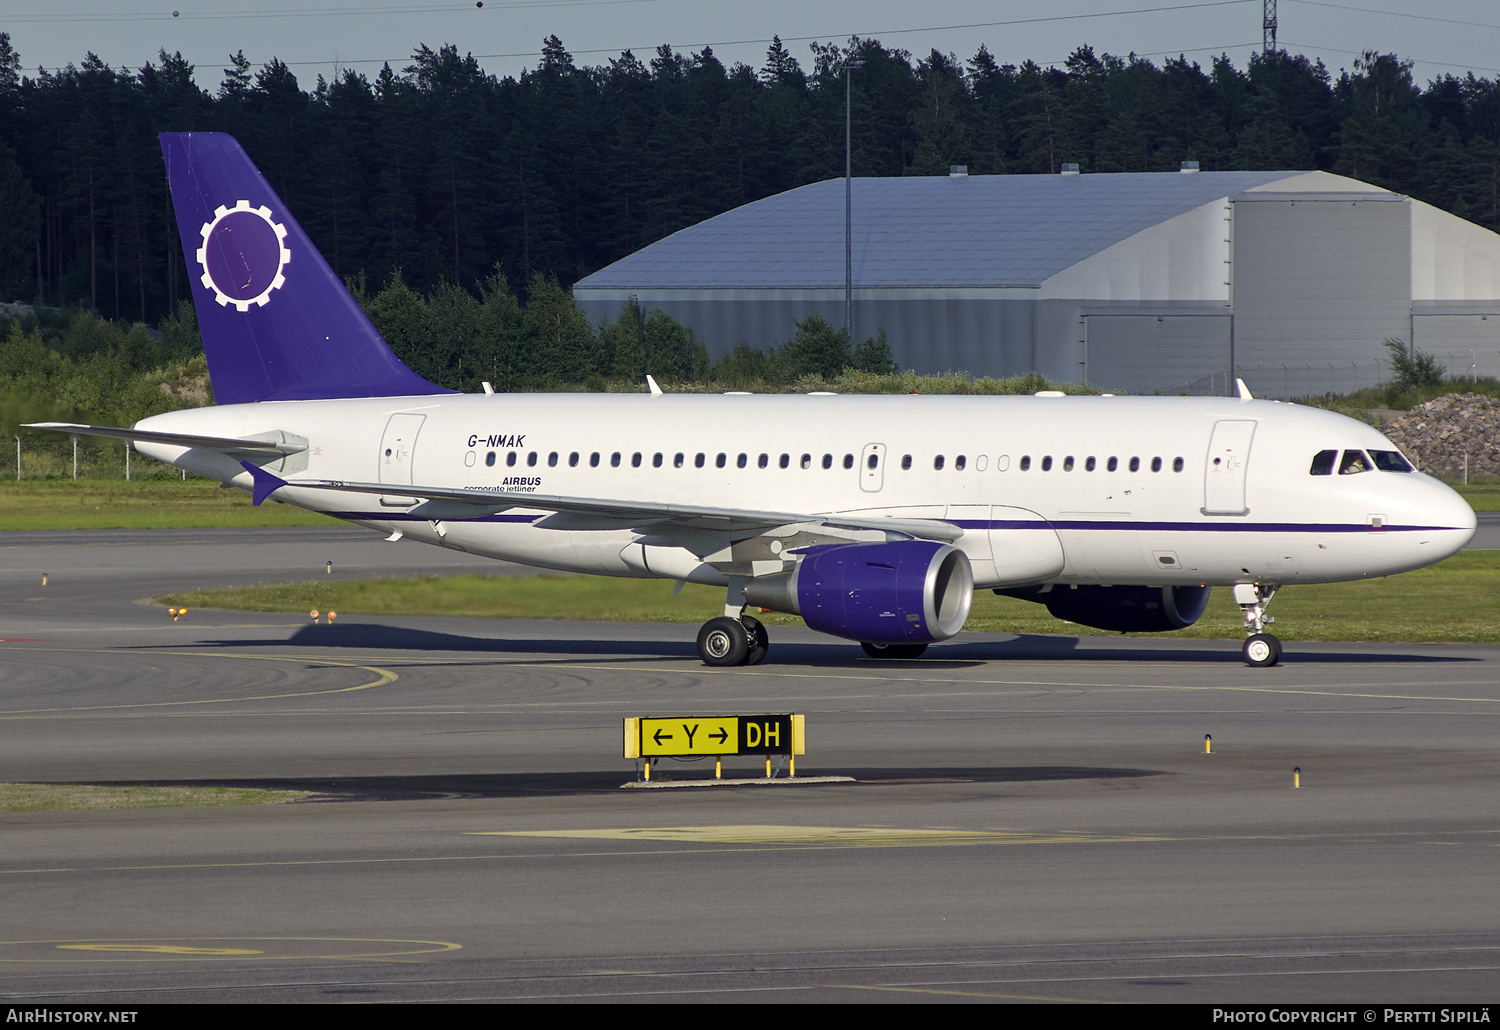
[
  {"x": 768, "y": 767},
  {"x": 791, "y": 768},
  {"x": 44, "y": 579},
  {"x": 648, "y": 770},
  {"x": 1208, "y": 743},
  {"x": 718, "y": 767},
  {"x": 330, "y": 568},
  {"x": 1297, "y": 778}
]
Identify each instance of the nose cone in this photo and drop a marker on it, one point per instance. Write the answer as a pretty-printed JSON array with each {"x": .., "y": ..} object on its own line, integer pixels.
[{"x": 1449, "y": 523}]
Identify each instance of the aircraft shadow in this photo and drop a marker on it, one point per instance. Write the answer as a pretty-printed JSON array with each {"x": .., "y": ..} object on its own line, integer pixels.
[
  {"x": 511, "y": 785},
  {"x": 1025, "y": 647}
]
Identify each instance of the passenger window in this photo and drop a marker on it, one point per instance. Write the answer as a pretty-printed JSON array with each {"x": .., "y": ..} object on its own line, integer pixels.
[
  {"x": 1155, "y": 464},
  {"x": 531, "y": 459},
  {"x": 721, "y": 460},
  {"x": 656, "y": 460},
  {"x": 1112, "y": 464},
  {"x": 959, "y": 463},
  {"x": 1177, "y": 464},
  {"x": 635, "y": 460},
  {"x": 1025, "y": 463},
  {"x": 1322, "y": 463},
  {"x": 614, "y": 460},
  {"x": 786, "y": 461},
  {"x": 742, "y": 460},
  {"x": 594, "y": 460},
  {"x": 510, "y": 458},
  {"x": 765, "y": 460},
  {"x": 828, "y": 461},
  {"x": 1047, "y": 463},
  {"x": 906, "y": 462},
  {"x": 678, "y": 460},
  {"x": 573, "y": 460},
  {"x": 552, "y": 460},
  {"x": 1354, "y": 463},
  {"x": 807, "y": 461},
  {"x": 1068, "y": 463},
  {"x": 489, "y": 460},
  {"x": 874, "y": 461},
  {"x": 1088, "y": 463},
  {"x": 848, "y": 461},
  {"x": 1391, "y": 461},
  {"x": 699, "y": 459},
  {"x": 1135, "y": 464},
  {"x": 937, "y": 462}
]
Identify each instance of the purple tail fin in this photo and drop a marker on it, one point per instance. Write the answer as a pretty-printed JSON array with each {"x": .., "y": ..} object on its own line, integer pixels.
[{"x": 277, "y": 324}]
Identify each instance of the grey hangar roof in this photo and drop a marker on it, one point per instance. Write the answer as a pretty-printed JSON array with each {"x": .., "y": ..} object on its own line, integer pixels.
[{"x": 924, "y": 231}]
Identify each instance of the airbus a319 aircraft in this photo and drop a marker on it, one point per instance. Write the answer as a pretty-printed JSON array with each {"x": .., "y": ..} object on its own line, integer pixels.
[{"x": 873, "y": 518}]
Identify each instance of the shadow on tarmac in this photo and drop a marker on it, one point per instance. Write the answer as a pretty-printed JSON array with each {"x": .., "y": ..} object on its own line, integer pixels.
[
  {"x": 969, "y": 652},
  {"x": 511, "y": 785}
]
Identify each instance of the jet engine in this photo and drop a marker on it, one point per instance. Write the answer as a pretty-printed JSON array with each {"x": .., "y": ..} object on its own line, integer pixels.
[
  {"x": 1123, "y": 609},
  {"x": 909, "y": 591}
]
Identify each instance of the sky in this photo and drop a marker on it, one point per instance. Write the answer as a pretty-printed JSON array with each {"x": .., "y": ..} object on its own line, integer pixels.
[{"x": 1447, "y": 37}]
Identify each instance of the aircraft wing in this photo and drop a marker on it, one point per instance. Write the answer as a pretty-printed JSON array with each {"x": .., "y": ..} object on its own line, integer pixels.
[
  {"x": 447, "y": 503},
  {"x": 261, "y": 443}
]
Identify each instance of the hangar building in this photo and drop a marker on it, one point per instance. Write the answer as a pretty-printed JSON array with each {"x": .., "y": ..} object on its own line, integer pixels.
[{"x": 1139, "y": 282}]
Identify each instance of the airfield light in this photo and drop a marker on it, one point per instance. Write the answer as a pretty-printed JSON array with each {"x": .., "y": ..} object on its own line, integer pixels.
[
  {"x": 1208, "y": 743},
  {"x": 331, "y": 617},
  {"x": 314, "y": 615},
  {"x": 44, "y": 579},
  {"x": 329, "y": 570},
  {"x": 1297, "y": 777}
]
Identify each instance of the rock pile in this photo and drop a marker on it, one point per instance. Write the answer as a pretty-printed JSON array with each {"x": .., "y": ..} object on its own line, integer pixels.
[{"x": 1442, "y": 434}]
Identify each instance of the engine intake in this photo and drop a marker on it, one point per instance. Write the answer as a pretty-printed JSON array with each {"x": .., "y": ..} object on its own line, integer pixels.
[{"x": 904, "y": 592}]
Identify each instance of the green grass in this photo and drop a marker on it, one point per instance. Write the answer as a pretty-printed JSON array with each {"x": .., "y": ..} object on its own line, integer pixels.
[
  {"x": 53, "y": 797},
  {"x": 1482, "y": 492},
  {"x": 1457, "y": 600},
  {"x": 152, "y": 504}
]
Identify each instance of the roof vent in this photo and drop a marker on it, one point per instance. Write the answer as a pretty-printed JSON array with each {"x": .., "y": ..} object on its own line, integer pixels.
[
  {"x": 1188, "y": 168},
  {"x": 1070, "y": 168},
  {"x": 958, "y": 171}
]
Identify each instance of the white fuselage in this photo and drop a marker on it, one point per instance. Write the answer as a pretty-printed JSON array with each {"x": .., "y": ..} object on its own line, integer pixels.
[{"x": 1102, "y": 490}]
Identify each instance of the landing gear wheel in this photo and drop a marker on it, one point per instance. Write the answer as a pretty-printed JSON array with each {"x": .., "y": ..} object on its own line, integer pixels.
[
  {"x": 892, "y": 650},
  {"x": 723, "y": 642},
  {"x": 759, "y": 641},
  {"x": 1262, "y": 650}
]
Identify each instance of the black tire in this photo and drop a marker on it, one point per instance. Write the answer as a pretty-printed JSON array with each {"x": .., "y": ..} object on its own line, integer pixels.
[
  {"x": 892, "y": 650},
  {"x": 1262, "y": 650},
  {"x": 723, "y": 642},
  {"x": 759, "y": 640}
]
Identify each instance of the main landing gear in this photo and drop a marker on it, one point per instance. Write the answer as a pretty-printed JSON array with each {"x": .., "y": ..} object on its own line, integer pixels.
[
  {"x": 1262, "y": 650},
  {"x": 730, "y": 640}
]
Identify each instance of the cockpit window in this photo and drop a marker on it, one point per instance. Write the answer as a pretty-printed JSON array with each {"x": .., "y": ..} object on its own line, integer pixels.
[
  {"x": 1391, "y": 461},
  {"x": 1322, "y": 464},
  {"x": 1354, "y": 462}
]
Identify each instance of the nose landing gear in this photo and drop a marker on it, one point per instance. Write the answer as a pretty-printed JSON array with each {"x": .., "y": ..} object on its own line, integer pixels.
[{"x": 1262, "y": 650}]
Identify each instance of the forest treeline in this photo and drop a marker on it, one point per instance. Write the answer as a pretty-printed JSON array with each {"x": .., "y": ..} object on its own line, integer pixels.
[{"x": 444, "y": 173}]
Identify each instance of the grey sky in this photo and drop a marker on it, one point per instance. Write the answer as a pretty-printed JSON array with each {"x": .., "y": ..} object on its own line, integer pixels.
[{"x": 320, "y": 36}]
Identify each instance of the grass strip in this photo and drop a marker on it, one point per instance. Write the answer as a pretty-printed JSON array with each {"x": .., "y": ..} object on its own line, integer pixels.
[
  {"x": 57, "y": 797},
  {"x": 1455, "y": 601},
  {"x": 150, "y": 504}
]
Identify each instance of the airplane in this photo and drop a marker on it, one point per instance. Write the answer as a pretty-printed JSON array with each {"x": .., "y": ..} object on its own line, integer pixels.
[{"x": 873, "y": 518}]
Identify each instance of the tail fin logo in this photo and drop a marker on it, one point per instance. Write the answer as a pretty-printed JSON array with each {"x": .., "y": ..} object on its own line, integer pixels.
[{"x": 243, "y": 255}]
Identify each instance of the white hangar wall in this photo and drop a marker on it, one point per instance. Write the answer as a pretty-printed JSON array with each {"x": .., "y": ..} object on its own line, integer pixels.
[{"x": 1291, "y": 281}]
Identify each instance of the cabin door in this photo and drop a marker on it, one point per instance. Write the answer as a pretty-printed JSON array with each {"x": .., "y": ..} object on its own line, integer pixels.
[
  {"x": 872, "y": 468},
  {"x": 398, "y": 445},
  {"x": 1228, "y": 459}
]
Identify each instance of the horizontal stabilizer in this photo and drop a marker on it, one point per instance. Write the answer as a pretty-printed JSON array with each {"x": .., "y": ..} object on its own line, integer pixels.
[
  {"x": 262, "y": 443},
  {"x": 265, "y": 482},
  {"x": 478, "y": 503}
]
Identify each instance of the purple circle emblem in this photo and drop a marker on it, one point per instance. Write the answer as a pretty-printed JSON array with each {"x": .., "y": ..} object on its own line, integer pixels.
[{"x": 243, "y": 255}]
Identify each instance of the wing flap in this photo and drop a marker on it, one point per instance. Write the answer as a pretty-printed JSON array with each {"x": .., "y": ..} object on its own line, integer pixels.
[{"x": 479, "y": 503}]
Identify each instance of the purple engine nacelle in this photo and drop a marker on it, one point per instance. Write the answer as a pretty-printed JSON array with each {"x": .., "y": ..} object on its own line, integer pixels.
[
  {"x": 911, "y": 591},
  {"x": 1122, "y": 609}
]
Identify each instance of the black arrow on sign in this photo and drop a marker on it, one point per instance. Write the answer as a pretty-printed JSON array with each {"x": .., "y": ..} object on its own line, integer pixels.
[
  {"x": 721, "y": 736},
  {"x": 657, "y": 737}
]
